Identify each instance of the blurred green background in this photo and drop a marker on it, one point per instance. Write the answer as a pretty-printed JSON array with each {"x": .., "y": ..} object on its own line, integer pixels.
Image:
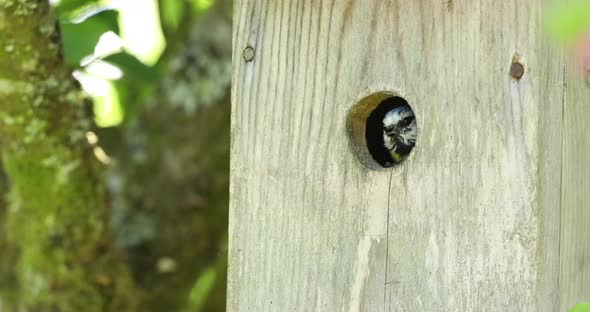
[{"x": 157, "y": 74}]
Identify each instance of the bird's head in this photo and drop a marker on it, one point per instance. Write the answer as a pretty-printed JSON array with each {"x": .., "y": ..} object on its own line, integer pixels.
[{"x": 399, "y": 127}]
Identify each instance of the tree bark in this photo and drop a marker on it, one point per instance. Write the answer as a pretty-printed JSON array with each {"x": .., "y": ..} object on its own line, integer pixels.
[
  {"x": 9, "y": 252},
  {"x": 57, "y": 216}
]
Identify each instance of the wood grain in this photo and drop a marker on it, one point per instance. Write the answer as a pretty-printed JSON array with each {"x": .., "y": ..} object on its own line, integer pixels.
[
  {"x": 468, "y": 223},
  {"x": 575, "y": 215}
]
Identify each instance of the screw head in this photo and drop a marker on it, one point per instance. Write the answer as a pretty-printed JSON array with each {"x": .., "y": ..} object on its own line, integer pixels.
[
  {"x": 249, "y": 54},
  {"x": 516, "y": 70}
]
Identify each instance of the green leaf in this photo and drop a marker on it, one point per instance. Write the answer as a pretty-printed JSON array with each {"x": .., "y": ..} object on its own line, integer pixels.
[
  {"x": 80, "y": 39},
  {"x": 132, "y": 68},
  {"x": 107, "y": 16},
  {"x": 141, "y": 30},
  {"x": 69, "y": 8},
  {"x": 201, "y": 290},
  {"x": 582, "y": 307},
  {"x": 108, "y": 110}
]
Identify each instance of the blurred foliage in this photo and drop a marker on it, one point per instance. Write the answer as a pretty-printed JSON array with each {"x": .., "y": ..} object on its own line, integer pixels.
[
  {"x": 568, "y": 21},
  {"x": 165, "y": 139},
  {"x": 79, "y": 39},
  {"x": 582, "y": 307},
  {"x": 67, "y": 9}
]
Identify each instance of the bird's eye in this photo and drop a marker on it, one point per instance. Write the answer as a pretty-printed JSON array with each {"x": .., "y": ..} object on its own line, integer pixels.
[{"x": 405, "y": 122}]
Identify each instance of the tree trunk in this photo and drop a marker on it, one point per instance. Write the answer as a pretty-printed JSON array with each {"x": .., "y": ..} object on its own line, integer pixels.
[
  {"x": 8, "y": 260},
  {"x": 57, "y": 216}
]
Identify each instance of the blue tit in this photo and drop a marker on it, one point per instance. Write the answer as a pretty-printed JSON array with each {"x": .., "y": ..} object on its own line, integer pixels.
[{"x": 399, "y": 132}]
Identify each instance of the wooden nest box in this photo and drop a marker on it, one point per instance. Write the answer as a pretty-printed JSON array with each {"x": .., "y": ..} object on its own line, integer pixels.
[{"x": 488, "y": 213}]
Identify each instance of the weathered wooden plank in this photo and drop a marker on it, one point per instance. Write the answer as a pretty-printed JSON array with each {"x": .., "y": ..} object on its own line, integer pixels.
[
  {"x": 308, "y": 222},
  {"x": 575, "y": 215},
  {"x": 473, "y": 213},
  {"x": 468, "y": 223}
]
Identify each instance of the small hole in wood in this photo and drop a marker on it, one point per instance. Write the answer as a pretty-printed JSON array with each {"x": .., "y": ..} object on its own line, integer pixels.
[{"x": 382, "y": 129}]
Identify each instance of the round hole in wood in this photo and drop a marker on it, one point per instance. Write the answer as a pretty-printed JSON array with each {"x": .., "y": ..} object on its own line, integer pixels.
[{"x": 382, "y": 129}]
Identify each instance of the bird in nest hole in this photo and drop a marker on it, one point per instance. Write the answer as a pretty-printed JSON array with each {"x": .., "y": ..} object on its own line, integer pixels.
[{"x": 399, "y": 133}]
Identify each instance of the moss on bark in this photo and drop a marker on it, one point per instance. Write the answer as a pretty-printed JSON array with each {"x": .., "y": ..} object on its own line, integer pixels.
[
  {"x": 9, "y": 253},
  {"x": 57, "y": 212}
]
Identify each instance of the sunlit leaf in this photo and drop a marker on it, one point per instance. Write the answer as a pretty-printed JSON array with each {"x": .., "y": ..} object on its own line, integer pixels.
[
  {"x": 105, "y": 70},
  {"x": 79, "y": 40},
  {"x": 108, "y": 44},
  {"x": 107, "y": 108},
  {"x": 132, "y": 68},
  {"x": 139, "y": 21}
]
